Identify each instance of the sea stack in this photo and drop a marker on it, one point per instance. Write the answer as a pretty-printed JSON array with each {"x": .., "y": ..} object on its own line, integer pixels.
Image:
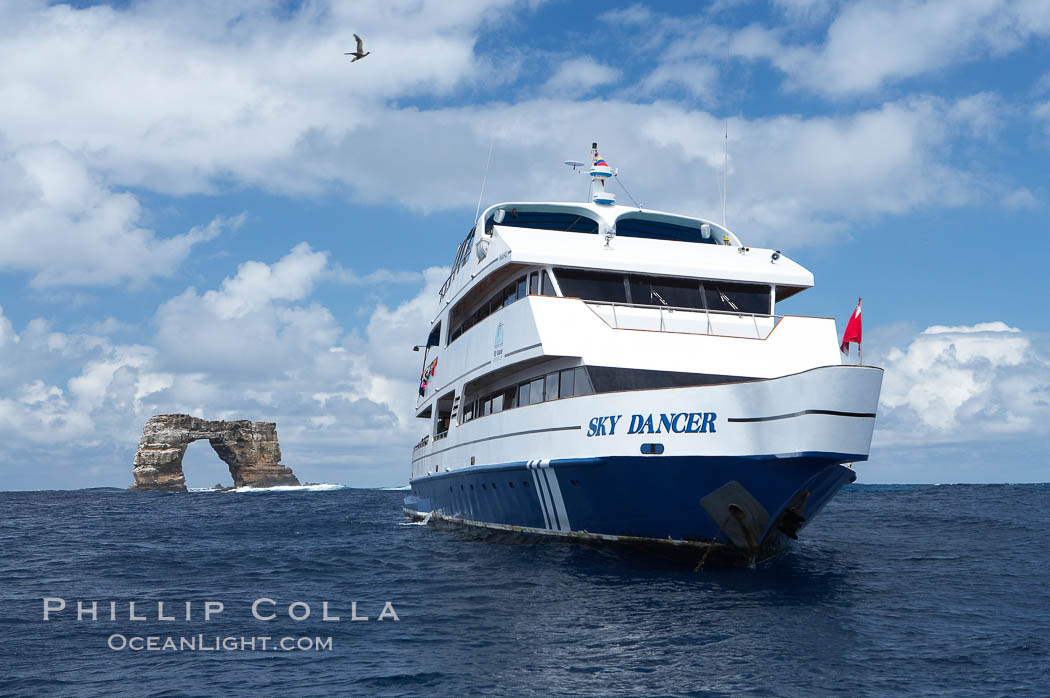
[{"x": 249, "y": 448}]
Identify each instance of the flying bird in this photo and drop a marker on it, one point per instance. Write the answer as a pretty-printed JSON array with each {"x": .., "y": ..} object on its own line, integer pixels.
[{"x": 360, "y": 52}]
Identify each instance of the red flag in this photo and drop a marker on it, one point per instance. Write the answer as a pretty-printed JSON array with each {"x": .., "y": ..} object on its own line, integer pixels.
[{"x": 852, "y": 333}]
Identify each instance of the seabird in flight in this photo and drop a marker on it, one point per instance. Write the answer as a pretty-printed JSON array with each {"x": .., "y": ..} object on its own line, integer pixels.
[{"x": 360, "y": 52}]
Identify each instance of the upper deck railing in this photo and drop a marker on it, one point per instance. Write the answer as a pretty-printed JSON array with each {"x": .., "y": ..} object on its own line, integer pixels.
[{"x": 664, "y": 318}]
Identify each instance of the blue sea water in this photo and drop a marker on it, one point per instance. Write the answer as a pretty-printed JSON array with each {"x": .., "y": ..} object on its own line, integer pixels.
[{"x": 897, "y": 590}]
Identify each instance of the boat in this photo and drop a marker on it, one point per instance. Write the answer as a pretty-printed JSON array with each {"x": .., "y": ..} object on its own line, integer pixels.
[{"x": 611, "y": 373}]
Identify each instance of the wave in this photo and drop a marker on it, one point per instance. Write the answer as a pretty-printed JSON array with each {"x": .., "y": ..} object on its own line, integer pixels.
[{"x": 317, "y": 487}]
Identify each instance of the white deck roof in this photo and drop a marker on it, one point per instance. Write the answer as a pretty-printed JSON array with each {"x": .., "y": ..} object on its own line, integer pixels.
[{"x": 642, "y": 255}]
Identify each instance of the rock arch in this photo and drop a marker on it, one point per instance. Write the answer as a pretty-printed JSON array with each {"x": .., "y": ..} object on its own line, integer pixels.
[{"x": 250, "y": 449}]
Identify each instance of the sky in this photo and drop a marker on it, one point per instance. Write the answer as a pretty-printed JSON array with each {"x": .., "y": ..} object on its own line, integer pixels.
[{"x": 206, "y": 208}]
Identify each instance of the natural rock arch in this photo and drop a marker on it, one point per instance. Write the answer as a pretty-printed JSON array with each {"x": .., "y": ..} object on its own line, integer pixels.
[{"x": 250, "y": 449}]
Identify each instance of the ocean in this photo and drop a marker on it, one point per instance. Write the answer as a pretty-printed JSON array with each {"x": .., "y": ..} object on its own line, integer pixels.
[{"x": 893, "y": 590}]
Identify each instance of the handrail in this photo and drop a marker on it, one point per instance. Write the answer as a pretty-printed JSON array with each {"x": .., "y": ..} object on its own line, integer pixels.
[
  {"x": 663, "y": 328},
  {"x": 688, "y": 310}
]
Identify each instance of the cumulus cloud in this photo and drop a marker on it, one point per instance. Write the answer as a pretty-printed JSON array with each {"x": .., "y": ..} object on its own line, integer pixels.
[
  {"x": 580, "y": 76},
  {"x": 60, "y": 222},
  {"x": 256, "y": 346},
  {"x": 185, "y": 98},
  {"x": 953, "y": 384},
  {"x": 866, "y": 46},
  {"x": 786, "y": 172},
  {"x": 262, "y": 98}
]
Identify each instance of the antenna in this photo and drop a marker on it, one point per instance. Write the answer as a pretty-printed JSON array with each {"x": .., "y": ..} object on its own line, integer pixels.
[
  {"x": 725, "y": 159},
  {"x": 483, "y": 178}
]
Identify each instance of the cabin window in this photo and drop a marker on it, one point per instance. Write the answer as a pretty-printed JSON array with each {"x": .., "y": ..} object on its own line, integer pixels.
[
  {"x": 582, "y": 382},
  {"x": 523, "y": 287},
  {"x": 434, "y": 339},
  {"x": 737, "y": 298},
  {"x": 547, "y": 287},
  {"x": 665, "y": 291},
  {"x": 592, "y": 285},
  {"x": 567, "y": 380},
  {"x": 633, "y": 227},
  {"x": 551, "y": 388},
  {"x": 550, "y": 220},
  {"x": 536, "y": 391},
  {"x": 444, "y": 416},
  {"x": 534, "y": 283}
]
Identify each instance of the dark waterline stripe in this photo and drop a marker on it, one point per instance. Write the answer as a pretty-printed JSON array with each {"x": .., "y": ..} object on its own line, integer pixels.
[{"x": 833, "y": 413}]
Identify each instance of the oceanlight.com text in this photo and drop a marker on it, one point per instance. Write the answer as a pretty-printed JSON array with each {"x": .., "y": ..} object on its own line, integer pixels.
[{"x": 217, "y": 643}]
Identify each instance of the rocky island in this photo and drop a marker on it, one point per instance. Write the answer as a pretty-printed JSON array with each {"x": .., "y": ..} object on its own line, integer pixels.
[{"x": 249, "y": 448}]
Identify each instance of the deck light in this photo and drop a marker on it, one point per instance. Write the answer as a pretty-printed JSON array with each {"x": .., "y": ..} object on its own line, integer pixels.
[{"x": 775, "y": 256}]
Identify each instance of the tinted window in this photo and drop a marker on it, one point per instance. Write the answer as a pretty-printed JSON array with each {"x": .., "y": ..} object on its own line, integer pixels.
[
  {"x": 676, "y": 293},
  {"x": 567, "y": 380},
  {"x": 552, "y": 386},
  {"x": 743, "y": 298},
  {"x": 523, "y": 287},
  {"x": 548, "y": 287},
  {"x": 536, "y": 391},
  {"x": 510, "y": 397},
  {"x": 497, "y": 403},
  {"x": 523, "y": 394},
  {"x": 659, "y": 230},
  {"x": 583, "y": 382},
  {"x": 569, "y": 222},
  {"x": 592, "y": 285},
  {"x": 534, "y": 283}
]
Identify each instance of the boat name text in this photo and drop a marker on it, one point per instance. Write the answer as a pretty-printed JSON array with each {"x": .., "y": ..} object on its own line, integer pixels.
[{"x": 664, "y": 423}]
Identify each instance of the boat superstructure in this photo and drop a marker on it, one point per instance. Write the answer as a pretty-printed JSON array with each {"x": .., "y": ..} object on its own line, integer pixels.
[{"x": 604, "y": 371}]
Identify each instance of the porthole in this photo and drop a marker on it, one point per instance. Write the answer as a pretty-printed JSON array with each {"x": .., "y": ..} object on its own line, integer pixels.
[
  {"x": 472, "y": 488},
  {"x": 652, "y": 449},
  {"x": 524, "y": 483},
  {"x": 574, "y": 483},
  {"x": 483, "y": 486},
  {"x": 493, "y": 485},
  {"x": 510, "y": 484}
]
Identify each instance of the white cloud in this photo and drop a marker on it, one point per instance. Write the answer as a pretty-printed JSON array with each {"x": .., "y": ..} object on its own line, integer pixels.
[
  {"x": 699, "y": 79},
  {"x": 60, "y": 222},
  {"x": 1019, "y": 199},
  {"x": 1041, "y": 113},
  {"x": 256, "y": 347},
  {"x": 867, "y": 45},
  {"x": 955, "y": 384},
  {"x": 580, "y": 76},
  {"x": 270, "y": 102},
  {"x": 787, "y": 173}
]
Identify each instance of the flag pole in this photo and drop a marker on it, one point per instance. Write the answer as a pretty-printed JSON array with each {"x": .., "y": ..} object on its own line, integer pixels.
[{"x": 860, "y": 344}]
